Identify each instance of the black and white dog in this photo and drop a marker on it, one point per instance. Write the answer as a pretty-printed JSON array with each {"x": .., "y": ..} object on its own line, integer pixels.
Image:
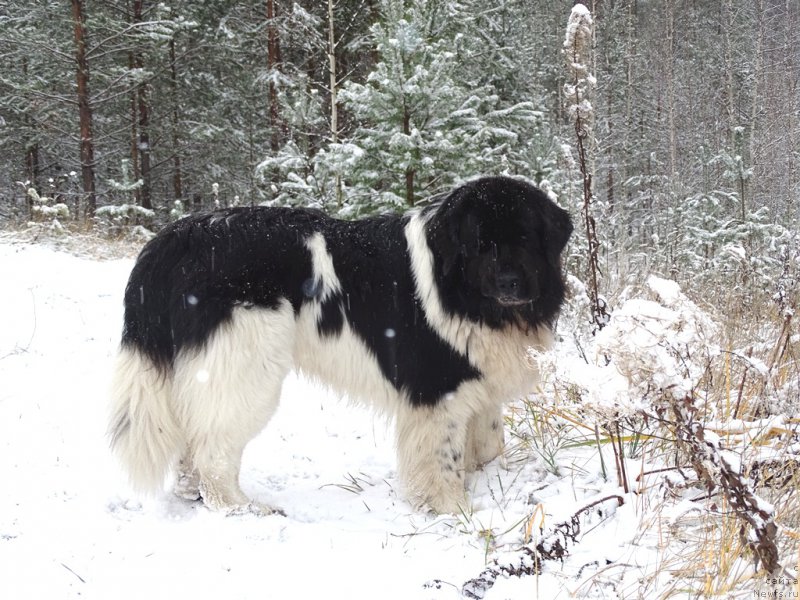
[{"x": 429, "y": 317}]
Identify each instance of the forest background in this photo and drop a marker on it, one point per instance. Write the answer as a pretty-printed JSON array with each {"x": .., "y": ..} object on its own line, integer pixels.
[{"x": 358, "y": 106}]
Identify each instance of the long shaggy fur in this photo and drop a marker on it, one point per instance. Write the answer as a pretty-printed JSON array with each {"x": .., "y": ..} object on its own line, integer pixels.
[
  {"x": 428, "y": 317},
  {"x": 145, "y": 432}
]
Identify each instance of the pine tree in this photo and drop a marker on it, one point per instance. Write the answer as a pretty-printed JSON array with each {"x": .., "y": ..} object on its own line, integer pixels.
[{"x": 420, "y": 127}]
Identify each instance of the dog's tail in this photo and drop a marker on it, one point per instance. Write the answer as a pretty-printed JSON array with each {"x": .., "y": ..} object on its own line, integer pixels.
[{"x": 144, "y": 432}]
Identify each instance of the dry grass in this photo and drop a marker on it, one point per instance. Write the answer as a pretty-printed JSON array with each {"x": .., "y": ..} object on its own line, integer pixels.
[
  {"x": 77, "y": 239},
  {"x": 750, "y": 398}
]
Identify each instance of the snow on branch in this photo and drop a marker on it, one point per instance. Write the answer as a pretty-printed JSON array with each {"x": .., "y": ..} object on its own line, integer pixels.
[
  {"x": 580, "y": 82},
  {"x": 551, "y": 544},
  {"x": 715, "y": 471},
  {"x": 649, "y": 363},
  {"x": 577, "y": 47},
  {"x": 43, "y": 207}
]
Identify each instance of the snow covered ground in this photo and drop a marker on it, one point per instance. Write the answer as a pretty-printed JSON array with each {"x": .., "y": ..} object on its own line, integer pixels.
[{"x": 70, "y": 527}]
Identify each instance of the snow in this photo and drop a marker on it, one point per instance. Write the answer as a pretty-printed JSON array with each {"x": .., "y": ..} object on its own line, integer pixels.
[
  {"x": 70, "y": 527},
  {"x": 579, "y": 27},
  {"x": 580, "y": 10},
  {"x": 668, "y": 291}
]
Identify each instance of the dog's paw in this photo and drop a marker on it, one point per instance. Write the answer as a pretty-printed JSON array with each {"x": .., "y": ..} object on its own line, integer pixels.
[
  {"x": 447, "y": 504},
  {"x": 252, "y": 508},
  {"x": 192, "y": 494}
]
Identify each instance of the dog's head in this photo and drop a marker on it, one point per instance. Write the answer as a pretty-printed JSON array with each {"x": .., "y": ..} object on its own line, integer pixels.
[{"x": 497, "y": 244}]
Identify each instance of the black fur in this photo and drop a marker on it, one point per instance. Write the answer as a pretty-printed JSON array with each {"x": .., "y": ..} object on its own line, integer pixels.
[{"x": 496, "y": 244}]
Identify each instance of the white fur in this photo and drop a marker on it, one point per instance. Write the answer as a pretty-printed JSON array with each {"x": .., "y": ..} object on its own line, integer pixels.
[
  {"x": 218, "y": 398},
  {"x": 225, "y": 394},
  {"x": 344, "y": 363},
  {"x": 149, "y": 438},
  {"x": 213, "y": 403},
  {"x": 454, "y": 330},
  {"x": 322, "y": 265}
]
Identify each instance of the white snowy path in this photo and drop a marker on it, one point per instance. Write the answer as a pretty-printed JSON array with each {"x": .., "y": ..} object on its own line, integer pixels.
[{"x": 70, "y": 528}]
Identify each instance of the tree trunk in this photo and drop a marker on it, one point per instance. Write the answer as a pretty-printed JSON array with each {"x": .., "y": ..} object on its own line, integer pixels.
[
  {"x": 177, "y": 176},
  {"x": 752, "y": 155},
  {"x": 273, "y": 62},
  {"x": 134, "y": 141},
  {"x": 630, "y": 124},
  {"x": 33, "y": 168},
  {"x": 409, "y": 169},
  {"x": 33, "y": 165},
  {"x": 673, "y": 144},
  {"x": 143, "y": 108},
  {"x": 84, "y": 111},
  {"x": 730, "y": 95},
  {"x": 334, "y": 93}
]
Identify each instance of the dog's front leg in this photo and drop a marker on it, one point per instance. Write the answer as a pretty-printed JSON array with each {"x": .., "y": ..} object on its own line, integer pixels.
[
  {"x": 485, "y": 437},
  {"x": 431, "y": 445}
]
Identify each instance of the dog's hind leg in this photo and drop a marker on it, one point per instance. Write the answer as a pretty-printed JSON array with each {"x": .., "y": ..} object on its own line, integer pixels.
[
  {"x": 226, "y": 392},
  {"x": 187, "y": 480}
]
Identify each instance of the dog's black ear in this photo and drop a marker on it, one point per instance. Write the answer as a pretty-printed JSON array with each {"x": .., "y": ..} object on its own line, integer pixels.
[{"x": 455, "y": 230}]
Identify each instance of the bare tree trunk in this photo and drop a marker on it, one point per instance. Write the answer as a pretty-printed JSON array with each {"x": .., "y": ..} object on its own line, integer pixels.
[
  {"x": 630, "y": 125},
  {"x": 177, "y": 176},
  {"x": 273, "y": 62},
  {"x": 334, "y": 93},
  {"x": 84, "y": 111},
  {"x": 134, "y": 141},
  {"x": 610, "y": 116},
  {"x": 790, "y": 42},
  {"x": 673, "y": 144},
  {"x": 409, "y": 170},
  {"x": 32, "y": 170},
  {"x": 143, "y": 108},
  {"x": 33, "y": 167},
  {"x": 727, "y": 27}
]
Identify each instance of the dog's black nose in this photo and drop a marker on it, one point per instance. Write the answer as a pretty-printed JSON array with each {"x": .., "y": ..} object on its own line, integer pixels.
[{"x": 508, "y": 284}]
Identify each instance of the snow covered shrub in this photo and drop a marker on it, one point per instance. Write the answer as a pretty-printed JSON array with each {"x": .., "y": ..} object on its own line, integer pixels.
[
  {"x": 655, "y": 368},
  {"x": 118, "y": 220},
  {"x": 308, "y": 180},
  {"x": 577, "y": 93},
  {"x": 654, "y": 345},
  {"x": 44, "y": 208},
  {"x": 177, "y": 211},
  {"x": 711, "y": 244},
  {"x": 140, "y": 234},
  {"x": 46, "y": 213},
  {"x": 419, "y": 125},
  {"x": 125, "y": 189},
  {"x": 661, "y": 345}
]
